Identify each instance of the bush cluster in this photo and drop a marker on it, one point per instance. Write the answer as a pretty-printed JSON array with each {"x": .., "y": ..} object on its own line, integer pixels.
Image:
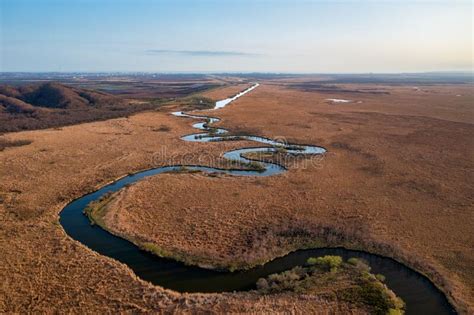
[{"x": 326, "y": 273}]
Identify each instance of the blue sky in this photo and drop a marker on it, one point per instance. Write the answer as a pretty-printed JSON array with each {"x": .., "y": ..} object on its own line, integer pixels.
[{"x": 267, "y": 36}]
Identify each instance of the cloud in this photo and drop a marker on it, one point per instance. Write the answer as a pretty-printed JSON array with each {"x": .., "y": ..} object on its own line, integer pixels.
[{"x": 201, "y": 53}]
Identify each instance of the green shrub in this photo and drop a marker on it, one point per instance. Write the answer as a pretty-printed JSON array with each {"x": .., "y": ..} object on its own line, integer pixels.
[
  {"x": 395, "y": 312},
  {"x": 326, "y": 262}
]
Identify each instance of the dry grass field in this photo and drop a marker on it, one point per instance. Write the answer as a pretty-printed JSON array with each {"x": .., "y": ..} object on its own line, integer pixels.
[
  {"x": 43, "y": 270},
  {"x": 397, "y": 180},
  {"x": 220, "y": 94}
]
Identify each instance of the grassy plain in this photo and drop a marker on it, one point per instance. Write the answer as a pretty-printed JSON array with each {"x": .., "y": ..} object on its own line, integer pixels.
[
  {"x": 396, "y": 180},
  {"x": 43, "y": 270}
]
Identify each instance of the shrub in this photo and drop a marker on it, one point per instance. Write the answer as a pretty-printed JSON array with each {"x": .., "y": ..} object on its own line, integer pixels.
[
  {"x": 281, "y": 150},
  {"x": 326, "y": 262},
  {"x": 395, "y": 312},
  {"x": 359, "y": 264},
  {"x": 15, "y": 143},
  {"x": 212, "y": 131},
  {"x": 95, "y": 209},
  {"x": 162, "y": 128},
  {"x": 256, "y": 166},
  {"x": 359, "y": 287},
  {"x": 196, "y": 102},
  {"x": 289, "y": 280},
  {"x": 262, "y": 285}
]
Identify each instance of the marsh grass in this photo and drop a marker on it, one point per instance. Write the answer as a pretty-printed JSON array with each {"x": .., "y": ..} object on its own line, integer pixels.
[
  {"x": 253, "y": 165},
  {"x": 196, "y": 102},
  {"x": 185, "y": 169},
  {"x": 228, "y": 138},
  {"x": 95, "y": 210},
  {"x": 347, "y": 281}
]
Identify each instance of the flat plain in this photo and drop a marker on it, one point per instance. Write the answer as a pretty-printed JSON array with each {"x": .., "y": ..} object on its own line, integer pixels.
[{"x": 396, "y": 180}]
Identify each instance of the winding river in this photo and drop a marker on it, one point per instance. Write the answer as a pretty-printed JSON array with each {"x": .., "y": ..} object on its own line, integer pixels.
[{"x": 419, "y": 294}]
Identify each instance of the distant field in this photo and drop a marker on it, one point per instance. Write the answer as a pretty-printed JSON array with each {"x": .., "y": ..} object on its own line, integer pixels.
[
  {"x": 30, "y": 101},
  {"x": 130, "y": 86},
  {"x": 149, "y": 89}
]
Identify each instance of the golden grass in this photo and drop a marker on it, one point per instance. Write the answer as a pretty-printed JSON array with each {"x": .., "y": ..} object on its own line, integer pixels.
[{"x": 398, "y": 178}]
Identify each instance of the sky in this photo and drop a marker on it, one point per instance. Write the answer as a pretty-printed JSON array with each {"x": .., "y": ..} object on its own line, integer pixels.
[{"x": 236, "y": 36}]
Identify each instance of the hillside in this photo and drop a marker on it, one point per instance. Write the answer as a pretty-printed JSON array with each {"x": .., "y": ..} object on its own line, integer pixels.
[{"x": 52, "y": 104}]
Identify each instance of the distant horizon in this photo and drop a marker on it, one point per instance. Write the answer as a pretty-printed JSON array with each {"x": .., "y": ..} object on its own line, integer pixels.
[
  {"x": 467, "y": 72},
  {"x": 211, "y": 36}
]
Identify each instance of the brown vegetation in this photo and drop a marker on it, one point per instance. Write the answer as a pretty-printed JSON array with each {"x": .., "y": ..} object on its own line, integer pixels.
[
  {"x": 220, "y": 94},
  {"x": 192, "y": 103},
  {"x": 53, "y": 105},
  {"x": 281, "y": 157},
  {"x": 127, "y": 86},
  {"x": 396, "y": 180},
  {"x": 333, "y": 88},
  {"x": 4, "y": 143},
  {"x": 44, "y": 270}
]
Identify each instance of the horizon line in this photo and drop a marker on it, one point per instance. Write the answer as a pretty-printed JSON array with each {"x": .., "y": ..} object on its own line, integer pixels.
[{"x": 243, "y": 72}]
